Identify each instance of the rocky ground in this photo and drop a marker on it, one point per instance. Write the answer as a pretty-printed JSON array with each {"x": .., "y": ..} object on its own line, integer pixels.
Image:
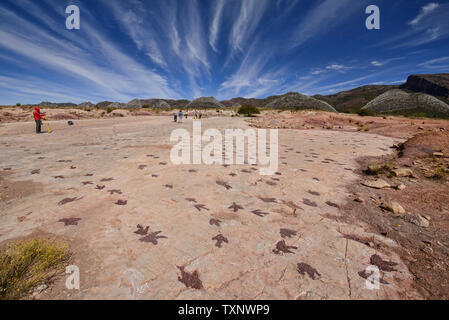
[
  {"x": 140, "y": 227},
  {"x": 25, "y": 114},
  {"x": 403, "y": 195}
]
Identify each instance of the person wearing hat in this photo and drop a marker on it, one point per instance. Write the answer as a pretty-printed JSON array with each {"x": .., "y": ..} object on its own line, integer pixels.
[{"x": 38, "y": 116}]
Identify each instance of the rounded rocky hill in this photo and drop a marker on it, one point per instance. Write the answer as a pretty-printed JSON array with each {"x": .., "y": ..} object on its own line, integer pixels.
[
  {"x": 294, "y": 100},
  {"x": 152, "y": 103},
  {"x": 159, "y": 104},
  {"x": 399, "y": 100},
  {"x": 205, "y": 103}
]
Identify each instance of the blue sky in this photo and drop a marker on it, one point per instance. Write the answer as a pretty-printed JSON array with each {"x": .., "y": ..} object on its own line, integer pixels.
[{"x": 222, "y": 48}]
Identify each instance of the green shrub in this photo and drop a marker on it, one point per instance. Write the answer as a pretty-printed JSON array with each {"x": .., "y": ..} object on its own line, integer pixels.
[
  {"x": 366, "y": 113},
  {"x": 109, "y": 110},
  {"x": 379, "y": 169},
  {"x": 146, "y": 106},
  {"x": 18, "y": 104},
  {"x": 248, "y": 110},
  {"x": 26, "y": 264},
  {"x": 439, "y": 172}
]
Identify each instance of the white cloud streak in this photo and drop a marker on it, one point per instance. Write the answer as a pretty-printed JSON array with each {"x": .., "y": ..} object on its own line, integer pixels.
[
  {"x": 425, "y": 11},
  {"x": 121, "y": 79},
  {"x": 249, "y": 17},
  {"x": 323, "y": 17},
  {"x": 215, "y": 27}
]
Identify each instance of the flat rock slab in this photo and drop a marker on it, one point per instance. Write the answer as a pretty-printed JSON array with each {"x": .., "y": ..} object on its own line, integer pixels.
[
  {"x": 376, "y": 184},
  {"x": 198, "y": 239}
]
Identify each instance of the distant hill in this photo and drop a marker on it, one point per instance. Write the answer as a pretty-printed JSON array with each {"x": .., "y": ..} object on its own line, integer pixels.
[
  {"x": 297, "y": 101},
  {"x": 205, "y": 103},
  {"x": 57, "y": 105},
  {"x": 353, "y": 100},
  {"x": 291, "y": 100},
  {"x": 103, "y": 104},
  {"x": 434, "y": 84},
  {"x": 397, "y": 101},
  {"x": 247, "y": 101}
]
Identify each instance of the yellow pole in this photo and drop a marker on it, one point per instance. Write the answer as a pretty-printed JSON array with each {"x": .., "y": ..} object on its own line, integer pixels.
[{"x": 48, "y": 125}]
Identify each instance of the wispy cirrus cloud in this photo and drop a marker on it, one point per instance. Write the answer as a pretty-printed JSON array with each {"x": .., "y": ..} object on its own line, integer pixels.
[
  {"x": 329, "y": 68},
  {"x": 215, "y": 27},
  {"x": 425, "y": 11},
  {"x": 179, "y": 48},
  {"x": 338, "y": 67},
  {"x": 441, "y": 63},
  {"x": 121, "y": 79},
  {"x": 381, "y": 63},
  {"x": 431, "y": 24},
  {"x": 248, "y": 19},
  {"x": 323, "y": 17},
  {"x": 135, "y": 21},
  {"x": 252, "y": 79},
  {"x": 31, "y": 86}
]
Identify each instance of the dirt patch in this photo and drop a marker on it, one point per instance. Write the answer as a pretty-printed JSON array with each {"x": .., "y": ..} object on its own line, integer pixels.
[
  {"x": 425, "y": 250},
  {"x": 11, "y": 190},
  {"x": 307, "y": 120},
  {"x": 423, "y": 145}
]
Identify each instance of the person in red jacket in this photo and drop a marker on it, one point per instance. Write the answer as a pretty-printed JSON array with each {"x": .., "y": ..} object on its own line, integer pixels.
[{"x": 38, "y": 116}]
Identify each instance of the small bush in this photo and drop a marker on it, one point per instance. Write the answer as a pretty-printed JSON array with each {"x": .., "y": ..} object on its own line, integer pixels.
[
  {"x": 439, "y": 173},
  {"x": 379, "y": 169},
  {"x": 18, "y": 104},
  {"x": 248, "y": 110},
  {"x": 26, "y": 264},
  {"x": 109, "y": 110},
  {"x": 146, "y": 106},
  {"x": 366, "y": 113}
]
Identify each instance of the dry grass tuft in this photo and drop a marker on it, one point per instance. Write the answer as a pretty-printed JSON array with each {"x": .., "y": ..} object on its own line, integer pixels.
[{"x": 25, "y": 264}]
